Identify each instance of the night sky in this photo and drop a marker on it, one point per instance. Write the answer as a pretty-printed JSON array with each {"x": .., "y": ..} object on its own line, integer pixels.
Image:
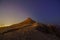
[{"x": 15, "y": 11}]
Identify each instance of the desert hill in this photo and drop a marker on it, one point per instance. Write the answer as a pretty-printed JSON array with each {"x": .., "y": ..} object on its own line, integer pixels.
[{"x": 29, "y": 30}]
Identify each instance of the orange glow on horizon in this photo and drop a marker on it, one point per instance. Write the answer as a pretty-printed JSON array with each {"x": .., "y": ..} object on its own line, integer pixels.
[{"x": 5, "y": 25}]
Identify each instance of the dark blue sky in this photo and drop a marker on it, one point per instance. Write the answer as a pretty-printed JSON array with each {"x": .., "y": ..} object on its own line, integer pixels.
[{"x": 45, "y": 11}]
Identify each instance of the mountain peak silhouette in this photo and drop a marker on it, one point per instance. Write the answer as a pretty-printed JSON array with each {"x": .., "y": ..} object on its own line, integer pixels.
[
  {"x": 29, "y": 28},
  {"x": 28, "y": 21},
  {"x": 28, "y": 18}
]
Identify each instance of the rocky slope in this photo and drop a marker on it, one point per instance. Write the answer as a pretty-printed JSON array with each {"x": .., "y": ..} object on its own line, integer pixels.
[{"x": 29, "y": 30}]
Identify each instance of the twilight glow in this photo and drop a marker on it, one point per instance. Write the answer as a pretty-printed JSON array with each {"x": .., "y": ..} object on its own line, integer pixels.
[
  {"x": 12, "y": 12},
  {"x": 15, "y": 11}
]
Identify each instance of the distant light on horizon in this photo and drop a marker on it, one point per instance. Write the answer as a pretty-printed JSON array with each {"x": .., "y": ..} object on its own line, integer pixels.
[
  {"x": 12, "y": 13},
  {"x": 5, "y": 25}
]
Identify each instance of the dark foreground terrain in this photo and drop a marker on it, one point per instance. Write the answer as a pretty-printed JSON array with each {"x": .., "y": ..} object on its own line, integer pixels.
[{"x": 30, "y": 30}]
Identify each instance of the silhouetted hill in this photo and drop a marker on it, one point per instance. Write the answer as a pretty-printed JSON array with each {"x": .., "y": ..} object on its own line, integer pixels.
[{"x": 29, "y": 30}]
